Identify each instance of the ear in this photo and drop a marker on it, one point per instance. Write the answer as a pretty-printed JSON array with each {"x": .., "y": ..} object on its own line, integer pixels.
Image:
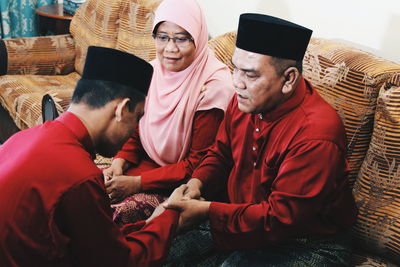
[
  {"x": 291, "y": 75},
  {"x": 122, "y": 107}
]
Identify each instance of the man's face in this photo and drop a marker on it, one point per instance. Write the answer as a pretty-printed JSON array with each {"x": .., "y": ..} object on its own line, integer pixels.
[
  {"x": 258, "y": 86},
  {"x": 119, "y": 132}
]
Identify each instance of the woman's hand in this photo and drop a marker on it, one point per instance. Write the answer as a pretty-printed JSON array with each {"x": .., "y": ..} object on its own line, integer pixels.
[
  {"x": 117, "y": 168},
  {"x": 119, "y": 187}
]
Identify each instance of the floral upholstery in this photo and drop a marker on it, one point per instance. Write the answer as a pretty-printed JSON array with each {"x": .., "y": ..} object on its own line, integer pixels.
[
  {"x": 377, "y": 189},
  {"x": 17, "y": 96},
  {"x": 349, "y": 80}
]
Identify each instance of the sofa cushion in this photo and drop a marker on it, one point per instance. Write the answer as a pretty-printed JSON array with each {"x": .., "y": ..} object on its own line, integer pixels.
[
  {"x": 348, "y": 79},
  {"x": 22, "y": 95},
  {"x": 223, "y": 47},
  {"x": 95, "y": 23},
  {"x": 135, "y": 31},
  {"x": 377, "y": 188}
]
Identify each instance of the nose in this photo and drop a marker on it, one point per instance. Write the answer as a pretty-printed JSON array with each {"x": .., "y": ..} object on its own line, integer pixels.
[
  {"x": 171, "y": 46},
  {"x": 237, "y": 81}
]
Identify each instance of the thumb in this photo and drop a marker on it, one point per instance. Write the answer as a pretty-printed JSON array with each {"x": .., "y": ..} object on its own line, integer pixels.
[
  {"x": 176, "y": 205},
  {"x": 108, "y": 183}
]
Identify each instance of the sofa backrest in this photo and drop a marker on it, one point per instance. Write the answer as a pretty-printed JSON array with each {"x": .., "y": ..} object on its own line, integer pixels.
[
  {"x": 120, "y": 24},
  {"x": 350, "y": 80},
  {"x": 377, "y": 188}
]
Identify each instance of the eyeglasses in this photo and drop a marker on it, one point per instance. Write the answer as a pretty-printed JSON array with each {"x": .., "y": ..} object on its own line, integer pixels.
[{"x": 162, "y": 40}]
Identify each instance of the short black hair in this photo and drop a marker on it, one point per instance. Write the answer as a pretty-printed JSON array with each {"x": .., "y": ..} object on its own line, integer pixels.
[
  {"x": 97, "y": 93},
  {"x": 282, "y": 64}
]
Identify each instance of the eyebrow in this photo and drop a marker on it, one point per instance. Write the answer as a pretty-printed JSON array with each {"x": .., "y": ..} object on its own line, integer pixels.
[
  {"x": 244, "y": 70},
  {"x": 183, "y": 33}
]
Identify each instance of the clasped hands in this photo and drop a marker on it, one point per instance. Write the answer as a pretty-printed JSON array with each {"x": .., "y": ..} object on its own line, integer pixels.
[
  {"x": 187, "y": 200},
  {"x": 120, "y": 186}
]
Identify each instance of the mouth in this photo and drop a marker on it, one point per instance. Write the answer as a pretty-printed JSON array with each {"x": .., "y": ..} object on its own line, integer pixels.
[
  {"x": 171, "y": 59},
  {"x": 241, "y": 97}
]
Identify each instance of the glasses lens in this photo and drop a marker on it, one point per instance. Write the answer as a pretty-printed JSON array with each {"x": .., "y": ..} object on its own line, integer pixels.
[{"x": 179, "y": 41}]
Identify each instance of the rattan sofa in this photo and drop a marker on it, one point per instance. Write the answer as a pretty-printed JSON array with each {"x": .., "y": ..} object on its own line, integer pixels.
[{"x": 364, "y": 89}]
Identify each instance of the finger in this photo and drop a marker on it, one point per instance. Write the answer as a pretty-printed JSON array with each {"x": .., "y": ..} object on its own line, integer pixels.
[
  {"x": 178, "y": 193},
  {"x": 176, "y": 205},
  {"x": 180, "y": 190},
  {"x": 191, "y": 195},
  {"x": 108, "y": 183},
  {"x": 109, "y": 189}
]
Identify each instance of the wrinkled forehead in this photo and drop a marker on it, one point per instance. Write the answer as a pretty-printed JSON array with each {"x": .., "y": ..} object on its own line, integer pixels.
[{"x": 244, "y": 59}]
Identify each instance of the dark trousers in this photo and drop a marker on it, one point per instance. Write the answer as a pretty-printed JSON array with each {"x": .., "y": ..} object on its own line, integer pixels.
[{"x": 195, "y": 248}]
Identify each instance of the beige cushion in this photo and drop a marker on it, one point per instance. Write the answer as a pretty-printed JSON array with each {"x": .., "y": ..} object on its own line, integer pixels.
[
  {"x": 23, "y": 95},
  {"x": 349, "y": 80},
  {"x": 136, "y": 23},
  {"x": 377, "y": 189},
  {"x": 94, "y": 23}
]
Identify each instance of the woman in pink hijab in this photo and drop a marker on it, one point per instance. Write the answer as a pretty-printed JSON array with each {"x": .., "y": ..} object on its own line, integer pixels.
[{"x": 189, "y": 93}]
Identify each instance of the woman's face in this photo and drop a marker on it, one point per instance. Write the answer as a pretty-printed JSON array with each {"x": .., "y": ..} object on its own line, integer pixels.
[{"x": 174, "y": 54}]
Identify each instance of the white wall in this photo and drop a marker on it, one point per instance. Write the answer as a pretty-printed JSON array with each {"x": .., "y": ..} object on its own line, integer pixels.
[{"x": 370, "y": 25}]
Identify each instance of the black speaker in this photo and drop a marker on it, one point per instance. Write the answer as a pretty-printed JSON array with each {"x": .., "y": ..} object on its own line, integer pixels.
[{"x": 49, "y": 110}]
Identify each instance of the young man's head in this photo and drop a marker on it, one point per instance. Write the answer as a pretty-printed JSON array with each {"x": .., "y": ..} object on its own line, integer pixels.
[
  {"x": 267, "y": 61},
  {"x": 109, "y": 98}
]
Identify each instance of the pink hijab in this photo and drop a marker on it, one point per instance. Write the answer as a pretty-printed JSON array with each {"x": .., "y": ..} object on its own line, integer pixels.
[{"x": 174, "y": 97}]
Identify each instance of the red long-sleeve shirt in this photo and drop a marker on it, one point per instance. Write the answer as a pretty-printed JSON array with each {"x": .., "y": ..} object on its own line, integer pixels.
[
  {"x": 205, "y": 126},
  {"x": 285, "y": 173},
  {"x": 54, "y": 208}
]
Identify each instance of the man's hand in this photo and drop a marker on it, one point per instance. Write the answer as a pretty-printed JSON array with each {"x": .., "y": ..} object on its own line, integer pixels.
[
  {"x": 193, "y": 190},
  {"x": 193, "y": 212},
  {"x": 119, "y": 187},
  {"x": 117, "y": 168},
  {"x": 175, "y": 196}
]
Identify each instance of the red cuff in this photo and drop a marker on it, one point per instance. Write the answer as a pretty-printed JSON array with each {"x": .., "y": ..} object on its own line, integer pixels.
[
  {"x": 132, "y": 227},
  {"x": 129, "y": 156}
]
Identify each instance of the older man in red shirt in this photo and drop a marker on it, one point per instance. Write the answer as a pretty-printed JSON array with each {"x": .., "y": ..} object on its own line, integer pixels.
[
  {"x": 280, "y": 153},
  {"x": 54, "y": 208}
]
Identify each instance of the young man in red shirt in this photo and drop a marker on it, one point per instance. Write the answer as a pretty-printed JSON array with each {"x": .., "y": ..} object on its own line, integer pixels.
[{"x": 54, "y": 207}]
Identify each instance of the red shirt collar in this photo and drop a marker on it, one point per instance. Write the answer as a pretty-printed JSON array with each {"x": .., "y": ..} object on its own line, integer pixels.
[{"x": 72, "y": 122}]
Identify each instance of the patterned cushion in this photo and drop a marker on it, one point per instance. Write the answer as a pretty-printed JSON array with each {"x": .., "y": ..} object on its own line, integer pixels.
[
  {"x": 22, "y": 95},
  {"x": 349, "y": 80},
  {"x": 224, "y": 46},
  {"x": 377, "y": 188},
  {"x": 95, "y": 23},
  {"x": 45, "y": 55},
  {"x": 136, "y": 22}
]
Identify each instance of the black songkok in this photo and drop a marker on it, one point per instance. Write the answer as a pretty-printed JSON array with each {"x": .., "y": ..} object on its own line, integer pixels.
[
  {"x": 111, "y": 65},
  {"x": 272, "y": 36}
]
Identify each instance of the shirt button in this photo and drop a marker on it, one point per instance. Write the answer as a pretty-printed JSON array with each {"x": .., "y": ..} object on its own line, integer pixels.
[
  {"x": 254, "y": 148},
  {"x": 254, "y": 164},
  {"x": 257, "y": 130},
  {"x": 260, "y": 116}
]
